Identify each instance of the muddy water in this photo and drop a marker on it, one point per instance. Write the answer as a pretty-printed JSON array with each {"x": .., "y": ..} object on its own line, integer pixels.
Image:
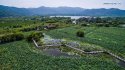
[
  {"x": 121, "y": 63},
  {"x": 56, "y": 52},
  {"x": 118, "y": 62}
]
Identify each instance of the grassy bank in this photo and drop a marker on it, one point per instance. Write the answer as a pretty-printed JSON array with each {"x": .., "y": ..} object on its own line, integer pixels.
[{"x": 21, "y": 55}]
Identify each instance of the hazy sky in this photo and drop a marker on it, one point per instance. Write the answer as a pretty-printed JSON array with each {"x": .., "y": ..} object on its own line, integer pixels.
[{"x": 70, "y": 3}]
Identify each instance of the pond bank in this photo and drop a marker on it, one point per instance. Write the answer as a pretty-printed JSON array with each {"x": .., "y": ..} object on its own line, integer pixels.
[{"x": 57, "y": 52}]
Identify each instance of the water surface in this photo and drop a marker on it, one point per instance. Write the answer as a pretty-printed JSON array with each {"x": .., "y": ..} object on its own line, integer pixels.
[{"x": 56, "y": 52}]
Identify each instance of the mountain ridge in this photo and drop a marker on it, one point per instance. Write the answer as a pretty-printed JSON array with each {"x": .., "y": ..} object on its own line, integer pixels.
[{"x": 6, "y": 11}]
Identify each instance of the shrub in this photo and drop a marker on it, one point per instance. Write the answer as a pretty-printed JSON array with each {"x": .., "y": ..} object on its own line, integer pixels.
[
  {"x": 35, "y": 35},
  {"x": 80, "y": 33},
  {"x": 83, "y": 24}
]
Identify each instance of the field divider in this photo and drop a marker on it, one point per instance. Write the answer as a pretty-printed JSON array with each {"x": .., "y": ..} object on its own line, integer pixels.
[
  {"x": 115, "y": 56},
  {"x": 35, "y": 43},
  {"x": 95, "y": 52},
  {"x": 92, "y": 52}
]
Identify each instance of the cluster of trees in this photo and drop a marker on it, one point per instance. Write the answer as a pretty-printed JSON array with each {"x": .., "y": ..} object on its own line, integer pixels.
[
  {"x": 51, "y": 21},
  {"x": 35, "y": 35},
  {"x": 16, "y": 26},
  {"x": 57, "y": 19},
  {"x": 106, "y": 21},
  {"x": 11, "y": 37},
  {"x": 93, "y": 20},
  {"x": 26, "y": 29},
  {"x": 68, "y": 21}
]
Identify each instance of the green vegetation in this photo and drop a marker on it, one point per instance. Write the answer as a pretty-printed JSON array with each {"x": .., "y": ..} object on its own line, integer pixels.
[
  {"x": 17, "y": 52},
  {"x": 21, "y": 55},
  {"x": 111, "y": 38},
  {"x": 36, "y": 36},
  {"x": 11, "y": 37}
]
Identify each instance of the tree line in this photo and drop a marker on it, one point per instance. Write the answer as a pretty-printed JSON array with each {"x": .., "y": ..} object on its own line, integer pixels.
[
  {"x": 19, "y": 36},
  {"x": 11, "y": 37}
]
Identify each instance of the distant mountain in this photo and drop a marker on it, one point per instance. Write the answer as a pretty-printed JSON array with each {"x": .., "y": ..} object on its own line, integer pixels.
[
  {"x": 56, "y": 11},
  {"x": 6, "y": 11},
  {"x": 104, "y": 12}
]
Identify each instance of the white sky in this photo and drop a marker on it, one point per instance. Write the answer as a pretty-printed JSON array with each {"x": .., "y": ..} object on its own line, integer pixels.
[{"x": 70, "y": 3}]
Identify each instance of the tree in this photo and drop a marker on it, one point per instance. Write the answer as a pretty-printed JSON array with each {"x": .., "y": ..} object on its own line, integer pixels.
[{"x": 80, "y": 33}]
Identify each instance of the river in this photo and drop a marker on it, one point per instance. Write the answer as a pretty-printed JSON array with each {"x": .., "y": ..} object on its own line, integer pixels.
[{"x": 72, "y": 17}]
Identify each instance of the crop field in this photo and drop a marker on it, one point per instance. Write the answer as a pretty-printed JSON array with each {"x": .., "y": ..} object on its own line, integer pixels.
[
  {"x": 22, "y": 55},
  {"x": 111, "y": 38},
  {"x": 18, "y": 52}
]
